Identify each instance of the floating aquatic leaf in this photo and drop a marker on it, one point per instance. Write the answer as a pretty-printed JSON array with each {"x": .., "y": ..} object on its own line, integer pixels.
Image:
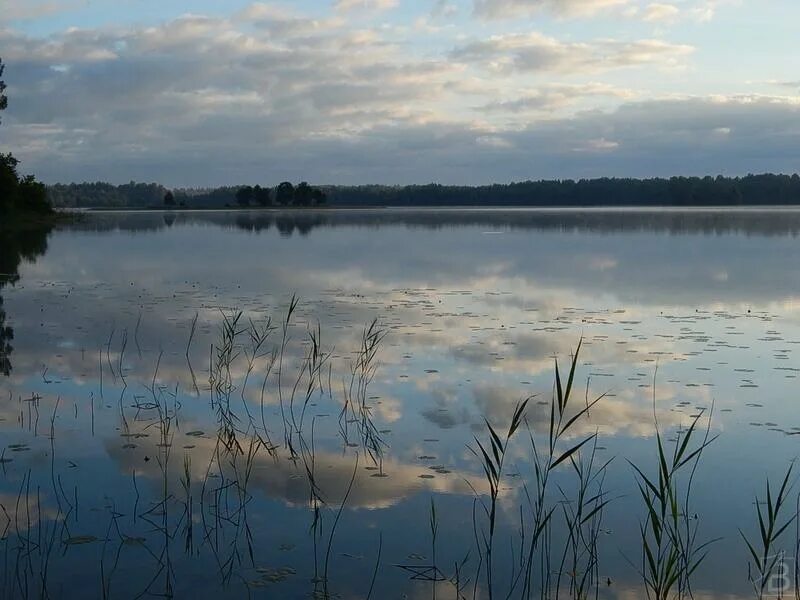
[
  {"x": 80, "y": 539},
  {"x": 133, "y": 541}
]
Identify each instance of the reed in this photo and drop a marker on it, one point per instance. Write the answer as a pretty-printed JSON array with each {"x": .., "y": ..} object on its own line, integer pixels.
[
  {"x": 772, "y": 524},
  {"x": 559, "y": 448},
  {"x": 555, "y": 545},
  {"x": 670, "y": 552}
]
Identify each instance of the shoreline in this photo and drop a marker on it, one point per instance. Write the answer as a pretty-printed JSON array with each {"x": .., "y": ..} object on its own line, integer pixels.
[
  {"x": 445, "y": 207},
  {"x": 38, "y": 221}
]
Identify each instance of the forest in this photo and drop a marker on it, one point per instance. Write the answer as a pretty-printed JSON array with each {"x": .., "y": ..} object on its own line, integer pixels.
[
  {"x": 153, "y": 195},
  {"x": 751, "y": 190}
]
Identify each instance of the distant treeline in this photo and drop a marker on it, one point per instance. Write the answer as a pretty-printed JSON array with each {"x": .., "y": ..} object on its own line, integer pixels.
[
  {"x": 149, "y": 195},
  {"x": 752, "y": 190},
  {"x": 106, "y": 195}
]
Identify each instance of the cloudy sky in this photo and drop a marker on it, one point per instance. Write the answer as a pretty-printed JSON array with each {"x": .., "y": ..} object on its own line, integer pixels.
[{"x": 205, "y": 92}]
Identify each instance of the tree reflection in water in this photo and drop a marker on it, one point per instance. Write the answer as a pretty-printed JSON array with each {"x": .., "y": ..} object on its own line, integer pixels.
[{"x": 16, "y": 246}]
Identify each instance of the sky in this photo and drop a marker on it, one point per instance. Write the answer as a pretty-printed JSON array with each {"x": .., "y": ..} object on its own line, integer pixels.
[{"x": 213, "y": 92}]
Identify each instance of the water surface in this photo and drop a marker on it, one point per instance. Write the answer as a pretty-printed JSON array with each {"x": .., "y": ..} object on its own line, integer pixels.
[{"x": 119, "y": 390}]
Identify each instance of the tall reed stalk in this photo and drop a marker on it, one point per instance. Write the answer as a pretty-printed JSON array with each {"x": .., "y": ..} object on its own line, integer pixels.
[
  {"x": 767, "y": 559},
  {"x": 670, "y": 551}
]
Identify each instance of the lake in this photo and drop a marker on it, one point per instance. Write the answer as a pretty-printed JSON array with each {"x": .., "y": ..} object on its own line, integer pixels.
[{"x": 295, "y": 404}]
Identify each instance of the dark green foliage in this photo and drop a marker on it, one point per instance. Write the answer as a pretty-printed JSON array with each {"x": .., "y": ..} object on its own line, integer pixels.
[
  {"x": 144, "y": 195},
  {"x": 670, "y": 552},
  {"x": 772, "y": 523},
  {"x": 169, "y": 199},
  {"x": 33, "y": 195},
  {"x": 319, "y": 197},
  {"x": 9, "y": 182},
  {"x": 303, "y": 194},
  {"x": 248, "y": 195},
  {"x": 139, "y": 195},
  {"x": 204, "y": 198},
  {"x": 752, "y": 190},
  {"x": 244, "y": 195},
  {"x": 20, "y": 194},
  {"x": 285, "y": 193},
  {"x": 262, "y": 196}
]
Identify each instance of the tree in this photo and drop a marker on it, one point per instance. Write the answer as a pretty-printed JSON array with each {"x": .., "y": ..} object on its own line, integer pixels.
[
  {"x": 262, "y": 196},
  {"x": 169, "y": 199},
  {"x": 303, "y": 194},
  {"x": 33, "y": 195},
  {"x": 18, "y": 193},
  {"x": 244, "y": 195},
  {"x": 285, "y": 194},
  {"x": 9, "y": 182},
  {"x": 3, "y": 99},
  {"x": 319, "y": 197}
]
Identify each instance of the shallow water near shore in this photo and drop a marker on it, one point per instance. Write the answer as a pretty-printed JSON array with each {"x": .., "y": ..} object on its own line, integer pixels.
[{"x": 170, "y": 426}]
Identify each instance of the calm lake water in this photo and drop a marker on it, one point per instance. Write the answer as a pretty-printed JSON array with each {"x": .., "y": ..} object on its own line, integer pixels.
[{"x": 148, "y": 450}]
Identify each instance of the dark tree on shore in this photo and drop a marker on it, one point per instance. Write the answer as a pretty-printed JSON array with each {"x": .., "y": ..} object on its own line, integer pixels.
[
  {"x": 169, "y": 199},
  {"x": 285, "y": 194},
  {"x": 303, "y": 194},
  {"x": 262, "y": 196},
  {"x": 244, "y": 195},
  {"x": 320, "y": 198},
  {"x": 18, "y": 194}
]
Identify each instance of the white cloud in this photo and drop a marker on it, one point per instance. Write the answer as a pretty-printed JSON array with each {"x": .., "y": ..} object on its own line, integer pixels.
[
  {"x": 705, "y": 10},
  {"x": 794, "y": 85},
  {"x": 660, "y": 13},
  {"x": 553, "y": 97},
  {"x": 703, "y": 13},
  {"x": 535, "y": 52},
  {"x": 444, "y": 8},
  {"x": 35, "y": 9},
  {"x": 508, "y": 9},
  {"x": 598, "y": 145},
  {"x": 271, "y": 94},
  {"x": 347, "y": 5}
]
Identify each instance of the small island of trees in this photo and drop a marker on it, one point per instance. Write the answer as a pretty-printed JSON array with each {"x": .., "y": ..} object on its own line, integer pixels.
[
  {"x": 286, "y": 194},
  {"x": 246, "y": 196}
]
